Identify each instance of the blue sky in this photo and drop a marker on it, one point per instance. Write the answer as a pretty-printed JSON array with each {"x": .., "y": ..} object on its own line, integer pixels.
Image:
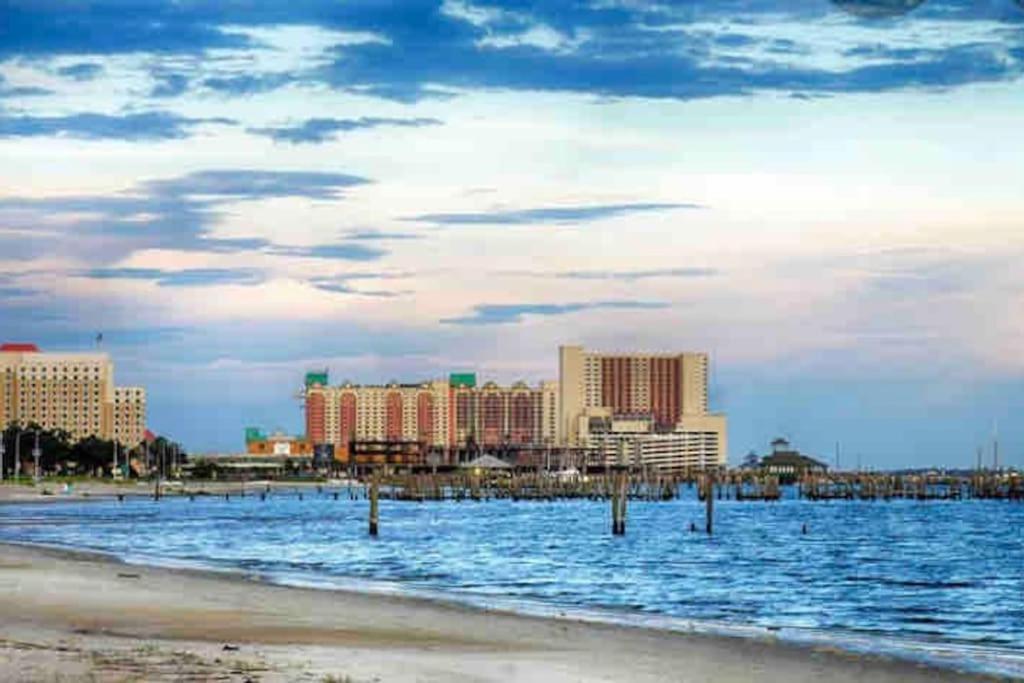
[{"x": 823, "y": 194}]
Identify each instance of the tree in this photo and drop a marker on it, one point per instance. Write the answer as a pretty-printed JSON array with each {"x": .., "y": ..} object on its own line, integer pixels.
[{"x": 54, "y": 445}]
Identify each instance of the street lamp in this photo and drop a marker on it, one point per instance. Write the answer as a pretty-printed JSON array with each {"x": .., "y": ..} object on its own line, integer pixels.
[{"x": 3, "y": 433}]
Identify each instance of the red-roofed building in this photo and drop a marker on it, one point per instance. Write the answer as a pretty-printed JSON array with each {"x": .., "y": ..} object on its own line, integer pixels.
[
  {"x": 70, "y": 391},
  {"x": 18, "y": 348}
]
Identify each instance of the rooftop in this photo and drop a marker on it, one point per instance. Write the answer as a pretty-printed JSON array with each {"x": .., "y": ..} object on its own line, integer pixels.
[{"x": 17, "y": 347}]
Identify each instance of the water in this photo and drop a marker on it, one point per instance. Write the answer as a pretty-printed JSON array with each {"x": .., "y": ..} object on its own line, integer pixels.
[{"x": 935, "y": 581}]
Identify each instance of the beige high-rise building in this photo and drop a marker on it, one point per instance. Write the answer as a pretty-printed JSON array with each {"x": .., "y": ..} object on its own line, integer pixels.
[
  {"x": 70, "y": 391},
  {"x": 129, "y": 415},
  {"x": 391, "y": 412},
  {"x": 656, "y": 401},
  {"x": 437, "y": 413}
]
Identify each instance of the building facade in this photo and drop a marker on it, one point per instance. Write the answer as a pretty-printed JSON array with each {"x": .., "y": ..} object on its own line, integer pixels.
[
  {"x": 276, "y": 444},
  {"x": 438, "y": 413},
  {"x": 654, "y": 405},
  {"x": 664, "y": 386},
  {"x": 129, "y": 415},
  {"x": 493, "y": 415},
  {"x": 70, "y": 391},
  {"x": 394, "y": 412},
  {"x": 697, "y": 443}
]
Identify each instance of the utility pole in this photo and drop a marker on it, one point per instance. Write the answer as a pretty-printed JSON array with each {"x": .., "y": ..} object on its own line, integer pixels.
[
  {"x": 3, "y": 433},
  {"x": 17, "y": 454},
  {"x": 113, "y": 472},
  {"x": 35, "y": 456}
]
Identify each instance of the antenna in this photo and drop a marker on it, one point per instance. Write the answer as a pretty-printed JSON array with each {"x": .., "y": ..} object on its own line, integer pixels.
[{"x": 995, "y": 445}]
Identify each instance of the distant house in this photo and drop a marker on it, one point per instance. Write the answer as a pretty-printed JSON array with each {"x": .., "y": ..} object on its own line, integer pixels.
[{"x": 789, "y": 464}]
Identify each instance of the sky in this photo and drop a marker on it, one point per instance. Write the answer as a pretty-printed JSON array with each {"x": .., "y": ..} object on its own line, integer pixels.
[{"x": 824, "y": 195}]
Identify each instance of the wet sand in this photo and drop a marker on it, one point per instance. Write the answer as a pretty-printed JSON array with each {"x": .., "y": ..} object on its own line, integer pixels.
[{"x": 82, "y": 617}]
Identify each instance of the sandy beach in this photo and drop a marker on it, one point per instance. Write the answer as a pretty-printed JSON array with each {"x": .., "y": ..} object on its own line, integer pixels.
[{"x": 81, "y": 617}]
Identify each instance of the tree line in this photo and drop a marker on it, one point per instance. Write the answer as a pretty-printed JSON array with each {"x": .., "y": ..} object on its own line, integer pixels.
[{"x": 61, "y": 454}]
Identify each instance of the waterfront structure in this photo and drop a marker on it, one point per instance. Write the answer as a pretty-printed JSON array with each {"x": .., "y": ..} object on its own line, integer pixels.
[
  {"x": 493, "y": 415},
  {"x": 74, "y": 392},
  {"x": 350, "y": 412},
  {"x": 276, "y": 444},
  {"x": 437, "y": 413},
  {"x": 789, "y": 464},
  {"x": 655, "y": 404},
  {"x": 667, "y": 386},
  {"x": 643, "y": 409},
  {"x": 697, "y": 443}
]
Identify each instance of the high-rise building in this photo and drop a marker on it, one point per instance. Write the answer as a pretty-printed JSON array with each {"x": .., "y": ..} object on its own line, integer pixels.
[
  {"x": 653, "y": 405},
  {"x": 70, "y": 391},
  {"x": 129, "y": 415},
  {"x": 392, "y": 412},
  {"x": 436, "y": 413},
  {"x": 493, "y": 415},
  {"x": 665, "y": 386}
]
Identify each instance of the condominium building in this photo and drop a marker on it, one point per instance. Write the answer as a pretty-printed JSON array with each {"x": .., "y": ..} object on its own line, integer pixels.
[
  {"x": 653, "y": 407},
  {"x": 665, "y": 386},
  {"x": 392, "y": 412},
  {"x": 437, "y": 413},
  {"x": 493, "y": 415},
  {"x": 70, "y": 391}
]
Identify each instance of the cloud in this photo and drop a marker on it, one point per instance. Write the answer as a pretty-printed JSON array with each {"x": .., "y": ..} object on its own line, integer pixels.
[
  {"x": 21, "y": 90},
  {"x": 341, "y": 285},
  {"x": 323, "y": 130},
  {"x": 83, "y": 71},
  {"x": 699, "y": 49},
  {"x": 242, "y": 184},
  {"x": 249, "y": 84},
  {"x": 153, "y": 126},
  {"x": 168, "y": 84},
  {"x": 344, "y": 252},
  {"x": 176, "y": 213},
  {"x": 631, "y": 275},
  {"x": 500, "y": 314},
  {"x": 39, "y": 28},
  {"x": 561, "y": 214},
  {"x": 190, "y": 277},
  {"x": 379, "y": 235}
]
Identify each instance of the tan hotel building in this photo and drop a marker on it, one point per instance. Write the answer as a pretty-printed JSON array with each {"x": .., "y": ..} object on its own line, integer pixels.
[
  {"x": 70, "y": 391},
  {"x": 654, "y": 405},
  {"x": 437, "y": 413}
]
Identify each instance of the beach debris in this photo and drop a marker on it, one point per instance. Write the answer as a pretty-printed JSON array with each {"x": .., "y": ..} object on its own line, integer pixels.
[
  {"x": 126, "y": 575},
  {"x": 230, "y": 648}
]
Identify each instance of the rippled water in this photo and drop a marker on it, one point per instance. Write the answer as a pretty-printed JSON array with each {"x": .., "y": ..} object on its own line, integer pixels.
[{"x": 943, "y": 581}]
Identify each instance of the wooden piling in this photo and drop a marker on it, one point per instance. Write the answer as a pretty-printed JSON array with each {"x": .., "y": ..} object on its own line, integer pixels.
[
  {"x": 374, "y": 496},
  {"x": 709, "y": 502}
]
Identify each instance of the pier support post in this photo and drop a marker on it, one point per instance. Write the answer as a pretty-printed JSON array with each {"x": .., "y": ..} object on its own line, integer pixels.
[
  {"x": 709, "y": 501},
  {"x": 374, "y": 500},
  {"x": 620, "y": 495}
]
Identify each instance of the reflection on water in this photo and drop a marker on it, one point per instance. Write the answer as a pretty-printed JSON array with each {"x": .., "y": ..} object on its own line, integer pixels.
[{"x": 940, "y": 576}]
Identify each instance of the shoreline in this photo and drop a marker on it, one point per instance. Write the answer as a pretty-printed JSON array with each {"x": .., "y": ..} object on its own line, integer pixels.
[
  {"x": 85, "y": 491},
  {"x": 99, "y": 601}
]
